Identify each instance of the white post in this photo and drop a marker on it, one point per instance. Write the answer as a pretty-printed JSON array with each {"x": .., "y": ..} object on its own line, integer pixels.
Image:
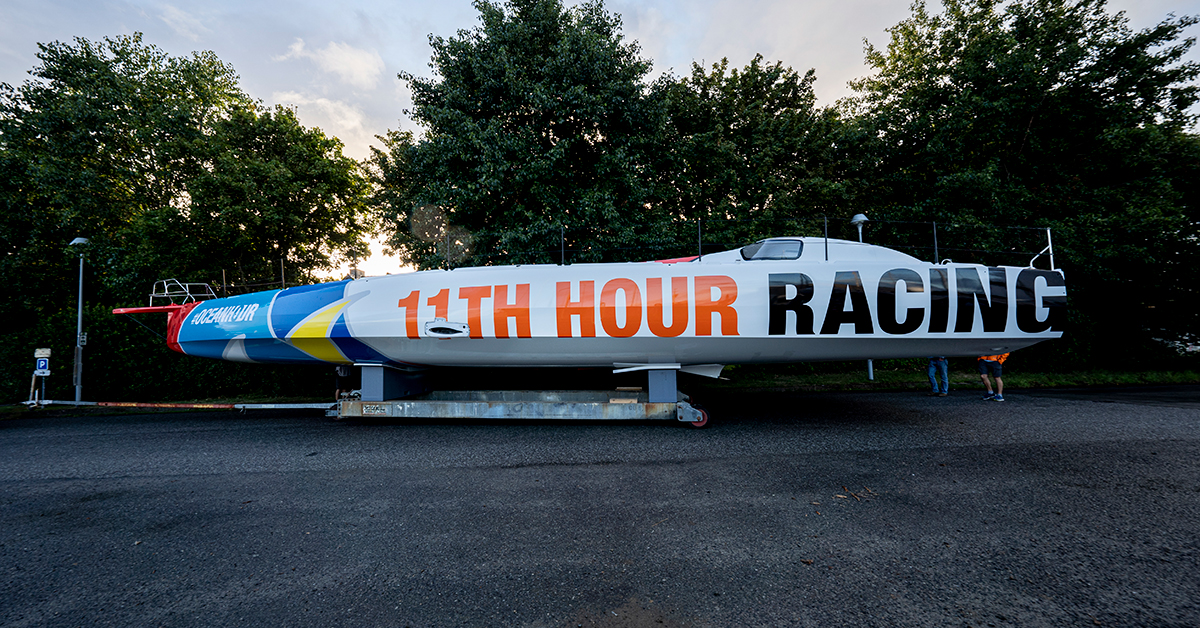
[
  {"x": 1050, "y": 246},
  {"x": 858, "y": 221}
]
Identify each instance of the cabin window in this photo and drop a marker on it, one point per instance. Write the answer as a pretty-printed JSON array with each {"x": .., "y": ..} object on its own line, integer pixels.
[{"x": 773, "y": 249}]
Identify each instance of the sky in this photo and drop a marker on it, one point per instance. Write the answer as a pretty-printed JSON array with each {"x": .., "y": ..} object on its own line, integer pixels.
[{"x": 336, "y": 62}]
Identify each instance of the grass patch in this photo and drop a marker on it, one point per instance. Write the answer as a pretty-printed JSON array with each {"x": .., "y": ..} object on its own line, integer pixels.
[
  {"x": 774, "y": 378},
  {"x": 1085, "y": 379}
]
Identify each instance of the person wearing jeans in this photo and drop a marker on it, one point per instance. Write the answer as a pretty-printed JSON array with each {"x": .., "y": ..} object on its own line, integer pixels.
[{"x": 939, "y": 376}]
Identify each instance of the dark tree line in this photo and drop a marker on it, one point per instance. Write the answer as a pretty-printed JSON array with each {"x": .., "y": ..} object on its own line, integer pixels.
[
  {"x": 169, "y": 170},
  {"x": 1055, "y": 114},
  {"x": 541, "y": 125}
]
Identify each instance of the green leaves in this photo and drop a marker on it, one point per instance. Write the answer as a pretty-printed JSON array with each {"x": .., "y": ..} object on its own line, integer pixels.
[
  {"x": 538, "y": 121},
  {"x": 273, "y": 189},
  {"x": 1045, "y": 113},
  {"x": 103, "y": 134},
  {"x": 543, "y": 134},
  {"x": 170, "y": 170},
  {"x": 750, "y": 153}
]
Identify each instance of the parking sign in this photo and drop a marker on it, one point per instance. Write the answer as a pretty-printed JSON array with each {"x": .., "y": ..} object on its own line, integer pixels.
[{"x": 42, "y": 367}]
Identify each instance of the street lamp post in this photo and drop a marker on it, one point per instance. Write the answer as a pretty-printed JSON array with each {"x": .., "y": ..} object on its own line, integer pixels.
[
  {"x": 858, "y": 221},
  {"x": 79, "y": 341}
]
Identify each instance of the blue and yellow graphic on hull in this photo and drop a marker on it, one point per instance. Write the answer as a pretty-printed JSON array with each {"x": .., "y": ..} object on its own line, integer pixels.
[
  {"x": 305, "y": 324},
  {"x": 237, "y": 329}
]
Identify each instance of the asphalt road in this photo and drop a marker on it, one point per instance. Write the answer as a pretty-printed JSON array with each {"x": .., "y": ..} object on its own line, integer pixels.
[{"x": 812, "y": 509}]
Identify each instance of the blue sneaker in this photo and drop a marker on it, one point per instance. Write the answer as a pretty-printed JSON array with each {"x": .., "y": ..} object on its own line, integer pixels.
[
  {"x": 998, "y": 398},
  {"x": 989, "y": 396}
]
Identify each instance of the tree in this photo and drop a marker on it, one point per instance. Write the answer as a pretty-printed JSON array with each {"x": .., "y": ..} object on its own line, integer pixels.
[
  {"x": 106, "y": 132},
  {"x": 393, "y": 194},
  {"x": 751, "y": 155},
  {"x": 1045, "y": 113},
  {"x": 539, "y": 124},
  {"x": 170, "y": 170},
  {"x": 270, "y": 190}
]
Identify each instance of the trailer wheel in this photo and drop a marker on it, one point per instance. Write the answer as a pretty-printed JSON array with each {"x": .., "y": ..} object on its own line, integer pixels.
[{"x": 703, "y": 422}]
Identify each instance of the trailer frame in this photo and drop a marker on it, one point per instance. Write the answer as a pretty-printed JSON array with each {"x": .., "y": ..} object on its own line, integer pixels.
[{"x": 535, "y": 405}]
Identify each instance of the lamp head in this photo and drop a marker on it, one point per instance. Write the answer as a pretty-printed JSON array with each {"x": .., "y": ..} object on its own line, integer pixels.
[
  {"x": 78, "y": 241},
  {"x": 859, "y": 219}
]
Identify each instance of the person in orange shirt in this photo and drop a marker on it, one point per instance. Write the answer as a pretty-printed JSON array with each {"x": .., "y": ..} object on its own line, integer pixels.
[{"x": 993, "y": 365}]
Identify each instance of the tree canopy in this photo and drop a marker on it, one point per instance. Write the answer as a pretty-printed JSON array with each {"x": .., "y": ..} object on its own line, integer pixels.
[
  {"x": 169, "y": 169},
  {"x": 1045, "y": 113},
  {"x": 987, "y": 118},
  {"x": 103, "y": 134},
  {"x": 751, "y": 155},
  {"x": 270, "y": 189},
  {"x": 541, "y": 118}
]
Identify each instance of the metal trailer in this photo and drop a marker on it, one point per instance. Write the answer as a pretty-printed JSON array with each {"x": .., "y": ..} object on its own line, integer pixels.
[{"x": 527, "y": 405}]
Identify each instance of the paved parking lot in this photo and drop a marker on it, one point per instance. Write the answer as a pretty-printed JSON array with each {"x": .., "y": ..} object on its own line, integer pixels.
[{"x": 809, "y": 509}]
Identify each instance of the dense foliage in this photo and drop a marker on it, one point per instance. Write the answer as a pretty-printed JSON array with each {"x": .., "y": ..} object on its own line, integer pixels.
[
  {"x": 539, "y": 118},
  {"x": 750, "y": 155},
  {"x": 994, "y": 120},
  {"x": 170, "y": 171},
  {"x": 1047, "y": 113}
]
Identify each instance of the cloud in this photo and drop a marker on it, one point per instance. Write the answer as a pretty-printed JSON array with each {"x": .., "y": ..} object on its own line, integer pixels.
[
  {"x": 184, "y": 24},
  {"x": 360, "y": 68},
  {"x": 822, "y": 34},
  {"x": 641, "y": 24},
  {"x": 343, "y": 116},
  {"x": 337, "y": 118}
]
